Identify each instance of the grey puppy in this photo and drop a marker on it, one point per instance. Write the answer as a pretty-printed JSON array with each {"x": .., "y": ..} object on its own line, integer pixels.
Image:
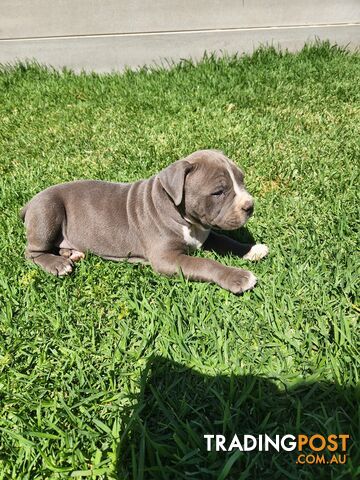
[{"x": 158, "y": 220}]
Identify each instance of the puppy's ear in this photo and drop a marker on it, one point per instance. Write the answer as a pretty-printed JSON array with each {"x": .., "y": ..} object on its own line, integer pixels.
[{"x": 173, "y": 177}]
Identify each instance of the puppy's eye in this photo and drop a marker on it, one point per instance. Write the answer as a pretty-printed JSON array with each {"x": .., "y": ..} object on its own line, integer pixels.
[{"x": 219, "y": 192}]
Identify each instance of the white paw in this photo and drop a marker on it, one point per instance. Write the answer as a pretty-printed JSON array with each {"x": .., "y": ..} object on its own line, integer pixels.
[
  {"x": 257, "y": 252},
  {"x": 76, "y": 256}
]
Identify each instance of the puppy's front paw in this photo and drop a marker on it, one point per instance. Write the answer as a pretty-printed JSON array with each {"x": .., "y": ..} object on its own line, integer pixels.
[
  {"x": 238, "y": 281},
  {"x": 56, "y": 265},
  {"x": 257, "y": 252}
]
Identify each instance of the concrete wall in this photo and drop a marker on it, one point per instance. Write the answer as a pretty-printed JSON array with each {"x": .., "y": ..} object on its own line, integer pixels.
[{"x": 106, "y": 35}]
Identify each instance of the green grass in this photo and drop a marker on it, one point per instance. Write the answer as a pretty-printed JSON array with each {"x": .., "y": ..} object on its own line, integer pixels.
[{"x": 117, "y": 372}]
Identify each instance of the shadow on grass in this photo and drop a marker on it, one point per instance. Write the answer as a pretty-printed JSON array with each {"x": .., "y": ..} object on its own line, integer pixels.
[
  {"x": 242, "y": 235},
  {"x": 177, "y": 406}
]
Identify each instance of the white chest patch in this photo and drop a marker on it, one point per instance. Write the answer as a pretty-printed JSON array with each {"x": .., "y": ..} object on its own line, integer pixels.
[{"x": 194, "y": 236}]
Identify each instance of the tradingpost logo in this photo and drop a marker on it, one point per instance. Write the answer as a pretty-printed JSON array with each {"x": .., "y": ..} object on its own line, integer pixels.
[{"x": 311, "y": 449}]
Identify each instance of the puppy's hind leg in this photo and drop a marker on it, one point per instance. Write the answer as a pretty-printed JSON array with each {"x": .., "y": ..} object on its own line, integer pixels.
[{"x": 43, "y": 221}]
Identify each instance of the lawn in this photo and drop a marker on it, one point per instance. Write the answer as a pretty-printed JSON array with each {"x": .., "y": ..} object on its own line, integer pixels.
[{"x": 118, "y": 372}]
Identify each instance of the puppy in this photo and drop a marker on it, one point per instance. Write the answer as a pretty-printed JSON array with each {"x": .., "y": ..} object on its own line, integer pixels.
[{"x": 158, "y": 220}]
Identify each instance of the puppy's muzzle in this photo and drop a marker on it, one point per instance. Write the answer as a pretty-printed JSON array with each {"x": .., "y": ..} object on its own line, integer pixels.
[{"x": 248, "y": 207}]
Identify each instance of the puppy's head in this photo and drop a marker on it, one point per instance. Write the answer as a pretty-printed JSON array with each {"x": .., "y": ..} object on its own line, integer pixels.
[{"x": 210, "y": 189}]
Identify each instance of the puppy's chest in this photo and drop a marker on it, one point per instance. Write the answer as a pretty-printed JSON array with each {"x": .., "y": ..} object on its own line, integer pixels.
[{"x": 194, "y": 236}]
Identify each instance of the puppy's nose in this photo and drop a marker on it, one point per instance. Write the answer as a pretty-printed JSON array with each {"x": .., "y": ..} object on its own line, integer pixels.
[{"x": 248, "y": 206}]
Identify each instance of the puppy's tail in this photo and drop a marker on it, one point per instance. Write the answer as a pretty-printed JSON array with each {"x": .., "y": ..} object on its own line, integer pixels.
[{"x": 22, "y": 212}]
